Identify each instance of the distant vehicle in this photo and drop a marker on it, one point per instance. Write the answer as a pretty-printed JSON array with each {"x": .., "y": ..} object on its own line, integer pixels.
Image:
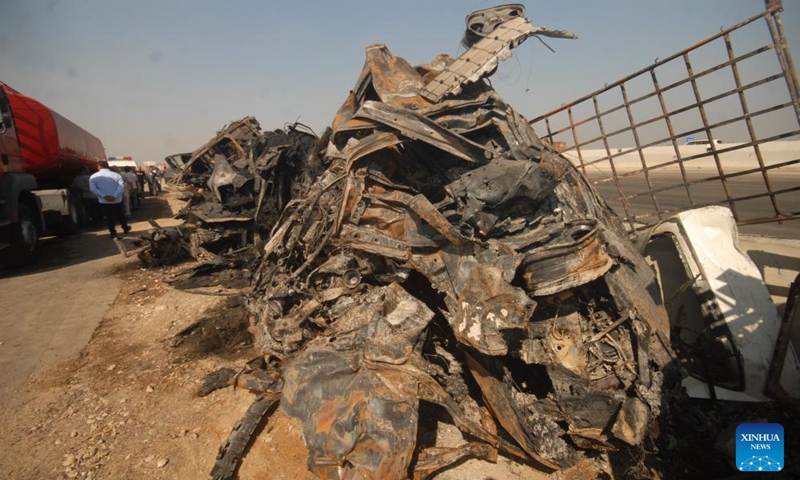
[
  {"x": 134, "y": 195},
  {"x": 42, "y": 153},
  {"x": 703, "y": 141},
  {"x": 122, "y": 162}
]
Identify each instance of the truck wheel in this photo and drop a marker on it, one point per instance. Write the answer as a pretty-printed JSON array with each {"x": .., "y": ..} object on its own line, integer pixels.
[
  {"x": 70, "y": 223},
  {"x": 83, "y": 214},
  {"x": 24, "y": 238}
]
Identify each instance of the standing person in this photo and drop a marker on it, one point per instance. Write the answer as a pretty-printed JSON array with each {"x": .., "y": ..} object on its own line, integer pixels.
[
  {"x": 126, "y": 197},
  {"x": 156, "y": 173},
  {"x": 109, "y": 187},
  {"x": 132, "y": 190},
  {"x": 150, "y": 182},
  {"x": 89, "y": 199},
  {"x": 162, "y": 174},
  {"x": 140, "y": 179}
]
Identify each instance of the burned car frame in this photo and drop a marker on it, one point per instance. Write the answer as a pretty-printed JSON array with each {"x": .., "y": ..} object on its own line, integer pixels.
[{"x": 446, "y": 255}]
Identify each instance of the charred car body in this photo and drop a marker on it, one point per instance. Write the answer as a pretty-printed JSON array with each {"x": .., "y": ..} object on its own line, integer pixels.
[{"x": 447, "y": 255}]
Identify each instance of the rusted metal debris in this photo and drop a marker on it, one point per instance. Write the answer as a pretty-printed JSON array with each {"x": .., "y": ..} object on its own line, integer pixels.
[
  {"x": 489, "y": 38},
  {"x": 231, "y": 142},
  {"x": 446, "y": 255},
  {"x": 245, "y": 176},
  {"x": 230, "y": 454},
  {"x": 238, "y": 184}
]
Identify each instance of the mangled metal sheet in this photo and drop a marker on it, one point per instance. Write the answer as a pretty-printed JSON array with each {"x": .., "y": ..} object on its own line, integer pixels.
[
  {"x": 230, "y": 142},
  {"x": 498, "y": 30},
  {"x": 446, "y": 255},
  {"x": 244, "y": 172},
  {"x": 237, "y": 184},
  {"x": 226, "y": 183}
]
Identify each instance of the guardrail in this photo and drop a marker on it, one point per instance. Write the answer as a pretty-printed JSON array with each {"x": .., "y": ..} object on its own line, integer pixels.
[{"x": 707, "y": 90}]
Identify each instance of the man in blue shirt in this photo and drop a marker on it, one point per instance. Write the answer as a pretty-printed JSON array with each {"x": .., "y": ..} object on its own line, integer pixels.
[{"x": 109, "y": 187}]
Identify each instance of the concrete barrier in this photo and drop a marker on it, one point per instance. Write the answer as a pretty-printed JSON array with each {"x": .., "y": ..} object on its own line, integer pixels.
[{"x": 773, "y": 153}]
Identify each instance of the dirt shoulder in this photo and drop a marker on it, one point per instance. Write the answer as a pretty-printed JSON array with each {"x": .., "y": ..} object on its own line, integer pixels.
[{"x": 126, "y": 407}]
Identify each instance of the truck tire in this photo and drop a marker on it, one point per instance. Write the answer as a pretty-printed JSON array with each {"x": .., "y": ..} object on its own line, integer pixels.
[
  {"x": 83, "y": 215},
  {"x": 24, "y": 238},
  {"x": 71, "y": 222}
]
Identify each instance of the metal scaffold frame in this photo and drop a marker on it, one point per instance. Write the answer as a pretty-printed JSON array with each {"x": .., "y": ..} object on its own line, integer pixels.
[{"x": 642, "y": 208}]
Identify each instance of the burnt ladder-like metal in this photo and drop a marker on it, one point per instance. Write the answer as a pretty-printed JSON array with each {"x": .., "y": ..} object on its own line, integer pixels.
[{"x": 642, "y": 208}]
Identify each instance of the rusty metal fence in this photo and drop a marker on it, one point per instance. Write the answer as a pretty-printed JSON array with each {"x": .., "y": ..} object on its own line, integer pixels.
[{"x": 635, "y": 138}]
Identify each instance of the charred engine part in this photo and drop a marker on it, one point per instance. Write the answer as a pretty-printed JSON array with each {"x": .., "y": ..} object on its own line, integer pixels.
[{"x": 447, "y": 255}]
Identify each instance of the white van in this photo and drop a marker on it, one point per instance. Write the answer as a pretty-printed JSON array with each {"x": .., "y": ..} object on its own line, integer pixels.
[
  {"x": 122, "y": 162},
  {"x": 132, "y": 188},
  {"x": 703, "y": 141}
]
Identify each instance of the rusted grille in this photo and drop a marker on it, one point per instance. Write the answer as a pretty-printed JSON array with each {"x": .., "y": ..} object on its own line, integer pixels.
[{"x": 632, "y": 138}]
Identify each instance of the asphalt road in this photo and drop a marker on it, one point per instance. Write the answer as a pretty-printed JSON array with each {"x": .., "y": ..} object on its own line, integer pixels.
[
  {"x": 713, "y": 193},
  {"x": 50, "y": 309}
]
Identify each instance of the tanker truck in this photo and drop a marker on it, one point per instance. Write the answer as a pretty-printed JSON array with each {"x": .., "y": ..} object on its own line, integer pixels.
[{"x": 41, "y": 152}]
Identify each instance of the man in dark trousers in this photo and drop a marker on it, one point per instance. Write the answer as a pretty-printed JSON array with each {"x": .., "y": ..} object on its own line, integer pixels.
[
  {"x": 140, "y": 177},
  {"x": 109, "y": 187}
]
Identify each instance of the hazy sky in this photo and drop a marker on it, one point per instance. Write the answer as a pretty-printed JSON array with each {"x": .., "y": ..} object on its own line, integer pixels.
[{"x": 152, "y": 78}]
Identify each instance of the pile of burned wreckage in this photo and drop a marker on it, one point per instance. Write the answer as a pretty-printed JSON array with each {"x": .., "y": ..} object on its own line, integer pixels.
[
  {"x": 236, "y": 186},
  {"x": 429, "y": 247}
]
